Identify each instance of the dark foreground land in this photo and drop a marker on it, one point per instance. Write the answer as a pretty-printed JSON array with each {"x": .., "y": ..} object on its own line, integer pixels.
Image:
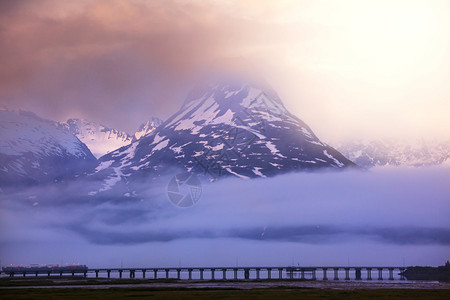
[
  {"x": 441, "y": 273},
  {"x": 270, "y": 293},
  {"x": 173, "y": 289}
]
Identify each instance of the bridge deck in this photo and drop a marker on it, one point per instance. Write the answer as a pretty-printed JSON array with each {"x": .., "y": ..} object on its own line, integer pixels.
[{"x": 289, "y": 272}]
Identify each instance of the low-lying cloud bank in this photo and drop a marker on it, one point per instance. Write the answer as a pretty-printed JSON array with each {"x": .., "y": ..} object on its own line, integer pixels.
[{"x": 393, "y": 207}]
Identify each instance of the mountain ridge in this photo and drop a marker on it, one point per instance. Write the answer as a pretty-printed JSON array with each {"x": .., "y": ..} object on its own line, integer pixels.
[{"x": 389, "y": 152}]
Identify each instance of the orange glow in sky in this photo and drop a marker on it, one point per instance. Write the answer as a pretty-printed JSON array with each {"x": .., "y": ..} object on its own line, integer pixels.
[{"x": 348, "y": 68}]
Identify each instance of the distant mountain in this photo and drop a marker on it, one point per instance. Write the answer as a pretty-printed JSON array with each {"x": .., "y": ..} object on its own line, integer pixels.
[
  {"x": 101, "y": 139},
  {"x": 396, "y": 153},
  {"x": 147, "y": 128},
  {"x": 224, "y": 129},
  {"x": 35, "y": 150}
]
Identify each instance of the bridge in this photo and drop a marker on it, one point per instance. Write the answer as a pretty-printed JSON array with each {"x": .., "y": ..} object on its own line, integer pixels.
[{"x": 223, "y": 273}]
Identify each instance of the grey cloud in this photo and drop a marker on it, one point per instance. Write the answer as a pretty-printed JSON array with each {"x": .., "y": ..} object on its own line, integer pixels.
[{"x": 411, "y": 235}]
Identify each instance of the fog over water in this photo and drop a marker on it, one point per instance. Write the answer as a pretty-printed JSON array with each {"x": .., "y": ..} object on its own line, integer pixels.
[{"x": 385, "y": 216}]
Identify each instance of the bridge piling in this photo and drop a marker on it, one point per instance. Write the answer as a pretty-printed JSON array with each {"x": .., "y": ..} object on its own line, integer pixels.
[
  {"x": 402, "y": 277},
  {"x": 380, "y": 273},
  {"x": 369, "y": 273},
  {"x": 325, "y": 273},
  {"x": 391, "y": 273},
  {"x": 358, "y": 273},
  {"x": 336, "y": 273},
  {"x": 247, "y": 273}
]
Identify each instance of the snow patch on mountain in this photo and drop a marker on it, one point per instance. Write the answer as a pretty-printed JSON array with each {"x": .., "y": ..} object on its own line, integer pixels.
[
  {"x": 161, "y": 145},
  {"x": 103, "y": 165},
  {"x": 337, "y": 162}
]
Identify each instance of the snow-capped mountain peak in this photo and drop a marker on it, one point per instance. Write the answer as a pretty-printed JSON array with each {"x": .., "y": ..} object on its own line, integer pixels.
[
  {"x": 228, "y": 104},
  {"x": 240, "y": 130}
]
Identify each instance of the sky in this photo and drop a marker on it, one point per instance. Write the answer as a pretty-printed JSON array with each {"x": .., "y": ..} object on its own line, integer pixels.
[
  {"x": 349, "y": 69},
  {"x": 386, "y": 216}
]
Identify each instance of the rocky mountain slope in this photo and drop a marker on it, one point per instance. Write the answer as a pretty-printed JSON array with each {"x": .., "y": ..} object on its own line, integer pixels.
[{"x": 35, "y": 150}]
